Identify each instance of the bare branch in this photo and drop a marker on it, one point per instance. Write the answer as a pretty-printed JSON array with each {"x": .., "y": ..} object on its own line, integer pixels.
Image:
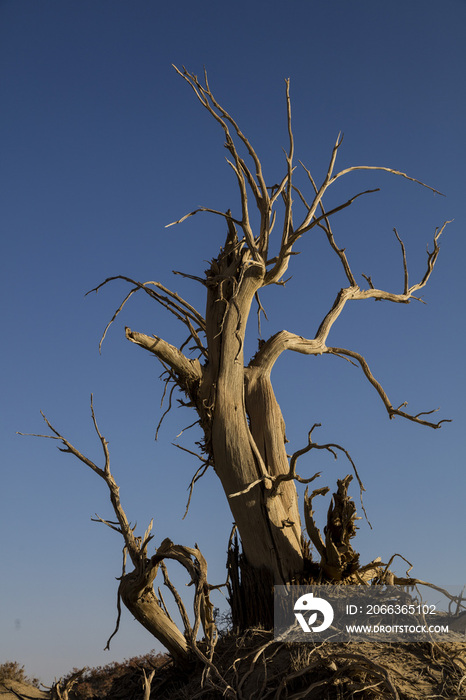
[
  {"x": 338, "y": 305},
  {"x": 387, "y": 170},
  {"x": 147, "y": 682},
  {"x": 179, "y": 602},
  {"x": 187, "y": 370},
  {"x": 328, "y": 230},
  {"x": 259, "y": 309},
  {"x": 263, "y": 479},
  {"x": 318, "y": 198},
  {"x": 381, "y": 392},
  {"x": 431, "y": 259},
  {"x": 408, "y": 294},
  {"x": 204, "y": 94},
  {"x": 281, "y": 265},
  {"x": 111, "y": 524},
  {"x": 291, "y": 474},
  {"x": 271, "y": 350},
  {"x": 198, "y": 475},
  {"x": 118, "y": 620},
  {"x": 191, "y": 425},
  {"x": 171, "y": 301},
  {"x": 329, "y": 447},
  {"x": 196, "y": 565},
  {"x": 317, "y": 219},
  {"x": 311, "y": 220},
  {"x": 196, "y": 211},
  {"x": 103, "y": 441},
  {"x": 190, "y": 277},
  {"x": 284, "y": 340},
  {"x": 68, "y": 446},
  {"x": 286, "y": 248},
  {"x": 147, "y": 538},
  {"x": 312, "y": 529},
  {"x": 106, "y": 475},
  {"x": 288, "y": 221},
  {"x": 405, "y": 264},
  {"x": 368, "y": 280},
  {"x": 168, "y": 409},
  {"x": 127, "y": 297}
]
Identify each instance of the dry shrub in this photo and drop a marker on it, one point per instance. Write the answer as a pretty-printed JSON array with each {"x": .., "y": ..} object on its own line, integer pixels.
[
  {"x": 13, "y": 671},
  {"x": 115, "y": 680}
]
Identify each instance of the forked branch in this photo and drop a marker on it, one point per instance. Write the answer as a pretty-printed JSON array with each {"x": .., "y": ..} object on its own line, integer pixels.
[
  {"x": 408, "y": 291},
  {"x": 243, "y": 174},
  {"x": 311, "y": 218},
  {"x": 291, "y": 475},
  {"x": 331, "y": 447},
  {"x": 124, "y": 527},
  {"x": 171, "y": 301}
]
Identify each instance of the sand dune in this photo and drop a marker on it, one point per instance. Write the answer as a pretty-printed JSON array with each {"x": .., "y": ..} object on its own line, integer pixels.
[{"x": 12, "y": 690}]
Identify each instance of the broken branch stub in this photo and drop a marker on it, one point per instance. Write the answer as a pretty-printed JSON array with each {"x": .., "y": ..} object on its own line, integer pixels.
[{"x": 338, "y": 560}]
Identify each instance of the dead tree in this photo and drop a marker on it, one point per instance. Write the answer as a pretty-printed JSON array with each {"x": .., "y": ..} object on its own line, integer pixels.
[
  {"x": 244, "y": 431},
  {"x": 61, "y": 690},
  {"x": 243, "y": 427},
  {"x": 146, "y": 683}
]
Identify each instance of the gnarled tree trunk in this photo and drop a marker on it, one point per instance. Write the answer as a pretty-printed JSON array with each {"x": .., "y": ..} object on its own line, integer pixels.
[{"x": 244, "y": 431}]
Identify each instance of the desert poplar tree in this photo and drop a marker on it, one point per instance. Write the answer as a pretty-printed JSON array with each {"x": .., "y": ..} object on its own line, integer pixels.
[{"x": 233, "y": 398}]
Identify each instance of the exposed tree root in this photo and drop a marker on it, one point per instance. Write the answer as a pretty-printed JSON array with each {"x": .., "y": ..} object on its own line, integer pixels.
[{"x": 254, "y": 666}]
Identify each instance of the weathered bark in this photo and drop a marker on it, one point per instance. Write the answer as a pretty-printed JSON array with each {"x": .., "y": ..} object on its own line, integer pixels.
[
  {"x": 138, "y": 596},
  {"x": 244, "y": 450}
]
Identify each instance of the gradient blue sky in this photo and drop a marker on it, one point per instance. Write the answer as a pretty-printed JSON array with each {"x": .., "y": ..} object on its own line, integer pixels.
[{"x": 102, "y": 145}]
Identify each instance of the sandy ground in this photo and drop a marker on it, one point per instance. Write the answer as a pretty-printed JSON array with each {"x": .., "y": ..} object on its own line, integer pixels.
[{"x": 12, "y": 690}]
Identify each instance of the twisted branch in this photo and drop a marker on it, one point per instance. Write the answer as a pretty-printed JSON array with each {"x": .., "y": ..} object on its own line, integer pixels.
[
  {"x": 173, "y": 302},
  {"x": 381, "y": 392}
]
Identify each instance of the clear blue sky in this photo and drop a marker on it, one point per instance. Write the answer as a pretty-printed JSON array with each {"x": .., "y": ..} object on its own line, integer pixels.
[{"x": 102, "y": 144}]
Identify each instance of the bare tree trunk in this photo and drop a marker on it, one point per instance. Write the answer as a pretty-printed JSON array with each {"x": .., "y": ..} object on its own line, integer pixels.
[{"x": 247, "y": 428}]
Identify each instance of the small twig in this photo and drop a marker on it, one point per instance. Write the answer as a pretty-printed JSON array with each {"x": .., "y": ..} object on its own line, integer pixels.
[
  {"x": 405, "y": 265},
  {"x": 168, "y": 409},
  {"x": 259, "y": 309},
  {"x": 111, "y": 524},
  {"x": 188, "y": 427},
  {"x": 198, "y": 475},
  {"x": 117, "y": 625},
  {"x": 368, "y": 280}
]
